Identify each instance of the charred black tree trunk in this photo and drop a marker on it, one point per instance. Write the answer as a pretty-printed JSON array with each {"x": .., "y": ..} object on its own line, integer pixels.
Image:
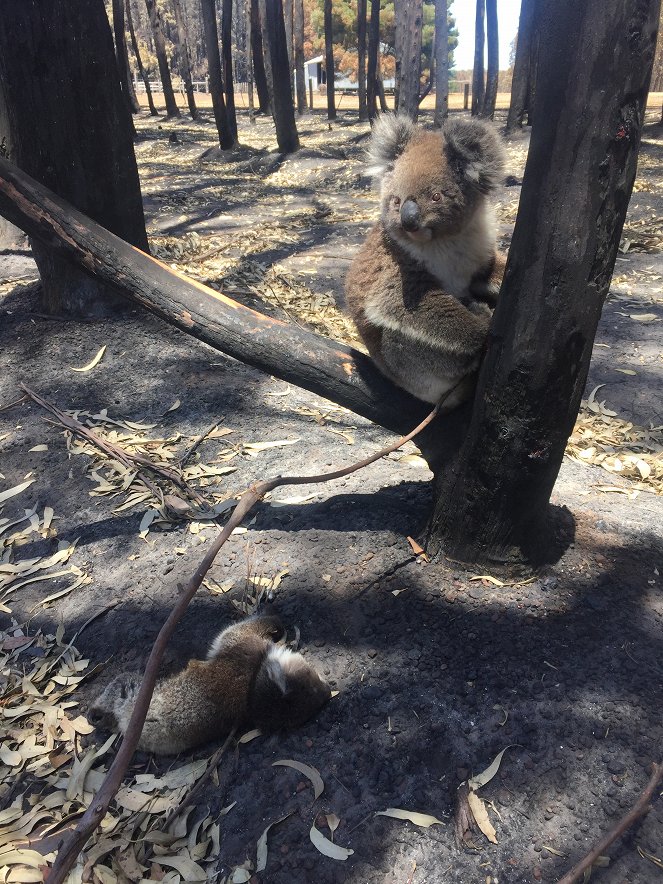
[
  {"x": 288, "y": 17},
  {"x": 399, "y": 28},
  {"x": 283, "y": 107},
  {"x": 521, "y": 67},
  {"x": 249, "y": 62},
  {"x": 258, "y": 57},
  {"x": 185, "y": 58},
  {"x": 266, "y": 53},
  {"x": 139, "y": 62},
  {"x": 298, "y": 40},
  {"x": 492, "y": 77},
  {"x": 172, "y": 109},
  {"x": 361, "y": 58},
  {"x": 69, "y": 126},
  {"x": 478, "y": 88},
  {"x": 329, "y": 62},
  {"x": 441, "y": 52},
  {"x": 121, "y": 55},
  {"x": 410, "y": 42},
  {"x": 372, "y": 60},
  {"x": 596, "y": 59},
  {"x": 227, "y": 50},
  {"x": 226, "y": 137}
]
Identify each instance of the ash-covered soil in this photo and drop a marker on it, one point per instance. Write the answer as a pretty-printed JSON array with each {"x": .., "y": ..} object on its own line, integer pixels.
[{"x": 437, "y": 670}]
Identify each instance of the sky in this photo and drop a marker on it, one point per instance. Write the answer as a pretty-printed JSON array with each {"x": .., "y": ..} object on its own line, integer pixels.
[{"x": 464, "y": 12}]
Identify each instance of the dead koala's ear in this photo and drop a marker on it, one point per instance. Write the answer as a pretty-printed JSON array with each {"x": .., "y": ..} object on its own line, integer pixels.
[
  {"x": 474, "y": 148},
  {"x": 389, "y": 138},
  {"x": 275, "y": 673}
]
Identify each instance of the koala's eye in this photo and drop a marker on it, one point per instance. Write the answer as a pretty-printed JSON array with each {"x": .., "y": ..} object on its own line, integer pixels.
[
  {"x": 436, "y": 197},
  {"x": 397, "y": 201}
]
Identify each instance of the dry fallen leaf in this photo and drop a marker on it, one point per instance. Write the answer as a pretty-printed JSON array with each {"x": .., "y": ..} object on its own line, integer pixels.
[
  {"x": 419, "y": 819},
  {"x": 480, "y": 814},
  {"x": 327, "y": 847},
  {"x": 418, "y": 550},
  {"x": 261, "y": 847},
  {"x": 97, "y": 359},
  {"x": 17, "y": 489},
  {"x": 308, "y": 771},
  {"x": 487, "y": 775}
]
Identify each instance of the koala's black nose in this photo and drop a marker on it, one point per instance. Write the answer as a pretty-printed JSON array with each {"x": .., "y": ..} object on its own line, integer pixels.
[{"x": 410, "y": 215}]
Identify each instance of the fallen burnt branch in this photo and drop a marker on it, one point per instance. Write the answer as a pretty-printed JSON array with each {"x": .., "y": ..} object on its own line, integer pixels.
[
  {"x": 318, "y": 364},
  {"x": 640, "y": 808},
  {"x": 126, "y": 457},
  {"x": 74, "y": 842}
]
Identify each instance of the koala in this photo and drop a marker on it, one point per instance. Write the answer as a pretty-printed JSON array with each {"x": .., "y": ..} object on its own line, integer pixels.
[
  {"x": 246, "y": 679},
  {"x": 423, "y": 287}
]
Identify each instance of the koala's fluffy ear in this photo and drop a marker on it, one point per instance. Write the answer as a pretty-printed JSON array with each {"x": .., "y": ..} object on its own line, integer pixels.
[
  {"x": 389, "y": 138},
  {"x": 476, "y": 149},
  {"x": 275, "y": 670}
]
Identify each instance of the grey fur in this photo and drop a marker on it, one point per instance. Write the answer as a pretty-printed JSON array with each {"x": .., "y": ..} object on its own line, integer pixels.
[
  {"x": 389, "y": 138},
  {"x": 476, "y": 148}
]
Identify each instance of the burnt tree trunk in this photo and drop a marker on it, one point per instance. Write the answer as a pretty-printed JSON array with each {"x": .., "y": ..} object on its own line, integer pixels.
[
  {"x": 185, "y": 58},
  {"x": 249, "y": 62},
  {"x": 329, "y": 62},
  {"x": 399, "y": 27},
  {"x": 69, "y": 126},
  {"x": 266, "y": 55},
  {"x": 478, "y": 88},
  {"x": 172, "y": 109},
  {"x": 226, "y": 137},
  {"x": 283, "y": 107},
  {"x": 227, "y": 50},
  {"x": 379, "y": 88},
  {"x": 288, "y": 16},
  {"x": 441, "y": 53},
  {"x": 121, "y": 56},
  {"x": 521, "y": 67},
  {"x": 287, "y": 351},
  {"x": 298, "y": 41},
  {"x": 492, "y": 75},
  {"x": 139, "y": 62},
  {"x": 361, "y": 58},
  {"x": 410, "y": 43},
  {"x": 258, "y": 58},
  {"x": 596, "y": 60},
  {"x": 372, "y": 60}
]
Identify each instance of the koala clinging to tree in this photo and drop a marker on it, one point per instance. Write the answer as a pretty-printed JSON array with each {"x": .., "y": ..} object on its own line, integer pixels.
[
  {"x": 246, "y": 679},
  {"x": 423, "y": 286}
]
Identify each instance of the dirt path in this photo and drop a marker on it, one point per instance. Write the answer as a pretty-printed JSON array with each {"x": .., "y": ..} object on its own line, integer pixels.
[{"x": 437, "y": 670}]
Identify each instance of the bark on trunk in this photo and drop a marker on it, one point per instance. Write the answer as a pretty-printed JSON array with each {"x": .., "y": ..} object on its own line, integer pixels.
[
  {"x": 266, "y": 55},
  {"x": 311, "y": 361},
  {"x": 288, "y": 15},
  {"x": 410, "y": 41},
  {"x": 521, "y": 67},
  {"x": 596, "y": 60},
  {"x": 185, "y": 58},
  {"x": 361, "y": 58},
  {"x": 249, "y": 62},
  {"x": 58, "y": 135},
  {"x": 258, "y": 57},
  {"x": 226, "y": 138},
  {"x": 441, "y": 62},
  {"x": 227, "y": 49},
  {"x": 372, "y": 60},
  {"x": 139, "y": 62},
  {"x": 399, "y": 28},
  {"x": 478, "y": 88},
  {"x": 329, "y": 62},
  {"x": 121, "y": 56},
  {"x": 283, "y": 107},
  {"x": 492, "y": 77},
  {"x": 298, "y": 39},
  {"x": 172, "y": 109}
]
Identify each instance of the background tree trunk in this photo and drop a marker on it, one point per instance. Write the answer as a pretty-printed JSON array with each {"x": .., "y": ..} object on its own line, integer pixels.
[
  {"x": 492, "y": 77},
  {"x": 361, "y": 58},
  {"x": 185, "y": 58},
  {"x": 283, "y": 107},
  {"x": 172, "y": 109},
  {"x": 399, "y": 30},
  {"x": 441, "y": 53},
  {"x": 478, "y": 87},
  {"x": 521, "y": 67},
  {"x": 226, "y": 138},
  {"x": 249, "y": 62},
  {"x": 266, "y": 54},
  {"x": 288, "y": 18},
  {"x": 410, "y": 42},
  {"x": 372, "y": 60},
  {"x": 227, "y": 50},
  {"x": 298, "y": 39},
  {"x": 122, "y": 58},
  {"x": 69, "y": 126},
  {"x": 258, "y": 57},
  {"x": 595, "y": 62},
  {"x": 139, "y": 63},
  {"x": 329, "y": 62}
]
